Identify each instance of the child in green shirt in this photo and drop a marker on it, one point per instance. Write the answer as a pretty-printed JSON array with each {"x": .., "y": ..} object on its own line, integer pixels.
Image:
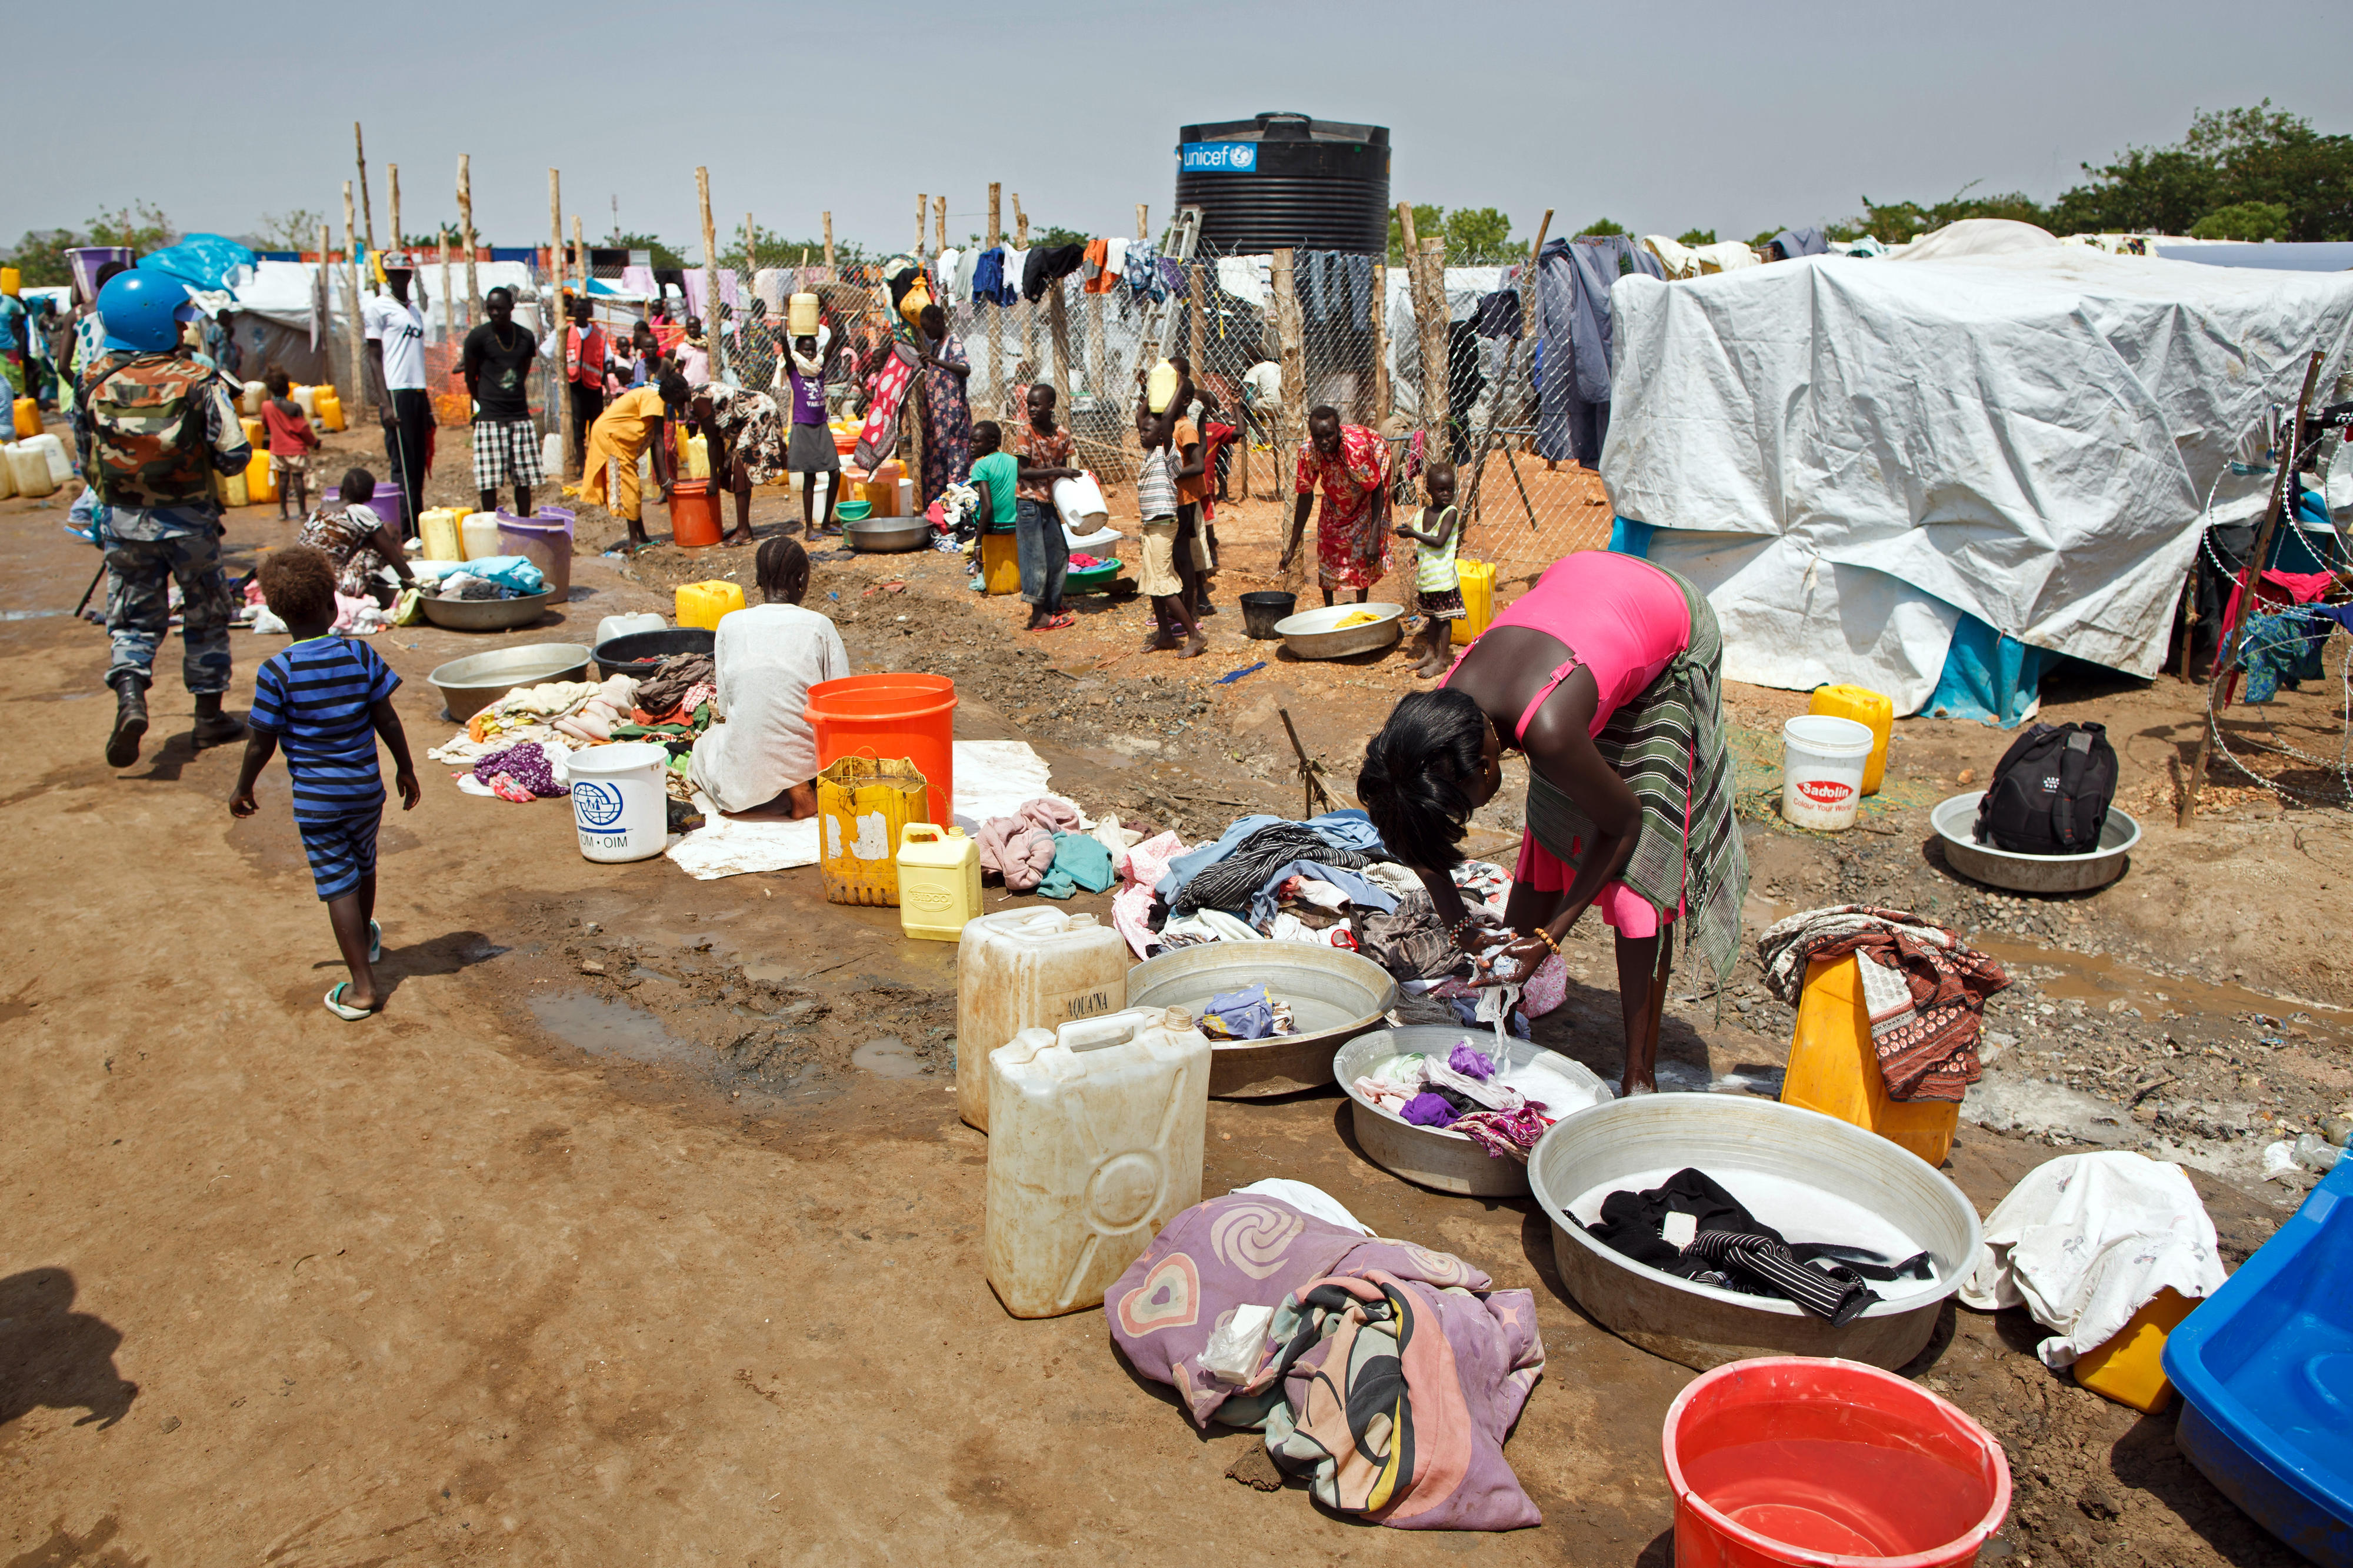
[{"x": 1435, "y": 580}]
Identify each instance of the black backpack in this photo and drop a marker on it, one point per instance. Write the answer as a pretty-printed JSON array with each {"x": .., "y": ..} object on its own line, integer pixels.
[{"x": 2050, "y": 792}]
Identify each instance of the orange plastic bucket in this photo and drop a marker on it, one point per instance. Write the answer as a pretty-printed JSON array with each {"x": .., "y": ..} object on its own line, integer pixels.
[
  {"x": 1790, "y": 1462},
  {"x": 905, "y": 715},
  {"x": 693, "y": 514}
]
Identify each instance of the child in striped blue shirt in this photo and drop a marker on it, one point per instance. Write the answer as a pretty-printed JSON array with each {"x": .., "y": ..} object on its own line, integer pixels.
[{"x": 326, "y": 699}]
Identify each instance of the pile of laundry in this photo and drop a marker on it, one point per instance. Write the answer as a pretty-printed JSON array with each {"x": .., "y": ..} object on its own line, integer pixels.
[
  {"x": 1923, "y": 989},
  {"x": 355, "y": 615},
  {"x": 672, "y": 707},
  {"x": 1501, "y": 1108},
  {"x": 518, "y": 747},
  {"x": 1051, "y": 849},
  {"x": 1327, "y": 880},
  {"x": 1383, "y": 1374},
  {"x": 1248, "y": 1014},
  {"x": 489, "y": 577},
  {"x": 1690, "y": 1226}
]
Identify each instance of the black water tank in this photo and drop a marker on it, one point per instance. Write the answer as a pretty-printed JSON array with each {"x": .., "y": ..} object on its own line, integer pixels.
[{"x": 1286, "y": 180}]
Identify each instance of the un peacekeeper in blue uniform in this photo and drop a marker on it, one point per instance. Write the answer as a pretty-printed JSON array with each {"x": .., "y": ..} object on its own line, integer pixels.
[{"x": 161, "y": 427}]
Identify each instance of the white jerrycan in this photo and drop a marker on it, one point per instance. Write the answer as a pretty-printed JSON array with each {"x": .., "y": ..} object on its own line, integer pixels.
[
  {"x": 1094, "y": 1143},
  {"x": 1027, "y": 969}
]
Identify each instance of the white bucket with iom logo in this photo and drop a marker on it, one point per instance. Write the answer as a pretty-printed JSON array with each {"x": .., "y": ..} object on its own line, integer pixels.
[
  {"x": 618, "y": 800},
  {"x": 1823, "y": 760}
]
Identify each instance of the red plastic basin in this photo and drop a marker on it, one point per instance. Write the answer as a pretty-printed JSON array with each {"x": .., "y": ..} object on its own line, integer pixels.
[
  {"x": 1786, "y": 1460},
  {"x": 901, "y": 715}
]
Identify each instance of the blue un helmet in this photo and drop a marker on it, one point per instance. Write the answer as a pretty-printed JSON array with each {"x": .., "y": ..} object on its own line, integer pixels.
[{"x": 142, "y": 311}]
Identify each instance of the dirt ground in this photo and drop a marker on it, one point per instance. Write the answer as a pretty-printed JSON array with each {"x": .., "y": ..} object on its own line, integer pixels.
[{"x": 640, "y": 1227}]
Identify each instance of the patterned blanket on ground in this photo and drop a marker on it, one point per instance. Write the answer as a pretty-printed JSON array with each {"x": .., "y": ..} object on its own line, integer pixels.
[
  {"x": 1924, "y": 991},
  {"x": 1388, "y": 1379}
]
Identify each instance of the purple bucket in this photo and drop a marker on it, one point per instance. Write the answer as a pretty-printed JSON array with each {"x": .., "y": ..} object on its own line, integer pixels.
[{"x": 545, "y": 537}]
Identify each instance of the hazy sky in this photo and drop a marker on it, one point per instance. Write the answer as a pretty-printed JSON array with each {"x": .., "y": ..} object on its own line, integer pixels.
[{"x": 1735, "y": 117}]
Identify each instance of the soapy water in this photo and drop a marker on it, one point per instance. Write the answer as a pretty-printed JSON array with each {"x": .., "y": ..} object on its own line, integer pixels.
[
  {"x": 887, "y": 1057},
  {"x": 1800, "y": 1211},
  {"x": 604, "y": 1029}
]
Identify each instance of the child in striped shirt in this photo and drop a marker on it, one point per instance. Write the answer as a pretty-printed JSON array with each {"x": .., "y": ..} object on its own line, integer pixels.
[
  {"x": 1155, "y": 501},
  {"x": 326, "y": 699}
]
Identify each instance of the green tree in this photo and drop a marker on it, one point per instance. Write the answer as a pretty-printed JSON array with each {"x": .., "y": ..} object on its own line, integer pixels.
[
  {"x": 40, "y": 256},
  {"x": 664, "y": 255},
  {"x": 1428, "y": 222},
  {"x": 2243, "y": 220},
  {"x": 295, "y": 230},
  {"x": 1764, "y": 237},
  {"x": 142, "y": 227},
  {"x": 1602, "y": 226},
  {"x": 1696, "y": 237},
  {"x": 772, "y": 249},
  {"x": 1480, "y": 237},
  {"x": 2230, "y": 157}
]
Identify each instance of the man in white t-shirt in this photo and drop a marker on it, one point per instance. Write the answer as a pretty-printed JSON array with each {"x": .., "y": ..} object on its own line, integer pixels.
[{"x": 395, "y": 369}]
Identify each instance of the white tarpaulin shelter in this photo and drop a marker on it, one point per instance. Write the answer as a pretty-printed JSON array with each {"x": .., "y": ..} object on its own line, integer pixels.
[{"x": 1851, "y": 456}]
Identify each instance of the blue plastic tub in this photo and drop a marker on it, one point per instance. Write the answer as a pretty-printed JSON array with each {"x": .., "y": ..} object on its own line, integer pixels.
[{"x": 2265, "y": 1372}]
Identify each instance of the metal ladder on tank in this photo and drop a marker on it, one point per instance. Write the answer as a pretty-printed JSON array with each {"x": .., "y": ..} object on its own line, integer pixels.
[{"x": 1176, "y": 242}]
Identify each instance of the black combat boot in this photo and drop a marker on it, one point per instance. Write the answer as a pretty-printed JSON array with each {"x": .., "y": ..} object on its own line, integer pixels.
[
  {"x": 130, "y": 721},
  {"x": 214, "y": 728}
]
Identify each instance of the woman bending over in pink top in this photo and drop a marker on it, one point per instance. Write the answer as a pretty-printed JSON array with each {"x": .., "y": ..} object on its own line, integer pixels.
[{"x": 1606, "y": 674}]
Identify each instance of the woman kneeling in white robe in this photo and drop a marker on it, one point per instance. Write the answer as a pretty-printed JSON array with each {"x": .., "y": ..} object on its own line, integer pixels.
[{"x": 762, "y": 749}]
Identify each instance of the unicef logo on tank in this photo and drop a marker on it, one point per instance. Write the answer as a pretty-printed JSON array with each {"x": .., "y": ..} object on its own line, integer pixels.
[{"x": 596, "y": 804}]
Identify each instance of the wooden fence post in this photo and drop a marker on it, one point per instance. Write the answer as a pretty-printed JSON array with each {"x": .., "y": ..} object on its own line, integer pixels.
[
  {"x": 828, "y": 243},
  {"x": 1029, "y": 309},
  {"x": 466, "y": 235},
  {"x": 367, "y": 207},
  {"x": 354, "y": 332},
  {"x": 345, "y": 388},
  {"x": 1380, "y": 344},
  {"x": 2226, "y": 651},
  {"x": 1058, "y": 324},
  {"x": 940, "y": 228},
  {"x": 711, "y": 321},
  {"x": 551, "y": 294},
  {"x": 1287, "y": 331}
]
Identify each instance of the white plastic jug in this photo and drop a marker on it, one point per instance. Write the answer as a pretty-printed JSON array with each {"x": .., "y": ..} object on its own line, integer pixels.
[
  {"x": 478, "y": 534},
  {"x": 251, "y": 397},
  {"x": 1094, "y": 1143},
  {"x": 551, "y": 456},
  {"x": 1027, "y": 969},
  {"x": 613, "y": 627},
  {"x": 1823, "y": 761},
  {"x": 617, "y": 803},
  {"x": 29, "y": 467},
  {"x": 60, "y": 465},
  {"x": 7, "y": 477},
  {"x": 306, "y": 398}
]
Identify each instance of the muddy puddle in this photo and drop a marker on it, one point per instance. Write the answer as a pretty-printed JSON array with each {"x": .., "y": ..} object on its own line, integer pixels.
[
  {"x": 607, "y": 1029},
  {"x": 2103, "y": 982}
]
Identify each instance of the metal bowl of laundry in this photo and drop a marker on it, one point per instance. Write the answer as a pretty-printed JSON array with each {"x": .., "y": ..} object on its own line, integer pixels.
[
  {"x": 1335, "y": 997},
  {"x": 471, "y": 684},
  {"x": 640, "y": 654},
  {"x": 484, "y": 615},
  {"x": 1431, "y": 1156},
  {"x": 884, "y": 535},
  {"x": 1311, "y": 634},
  {"x": 1638, "y": 1143},
  {"x": 1956, "y": 822}
]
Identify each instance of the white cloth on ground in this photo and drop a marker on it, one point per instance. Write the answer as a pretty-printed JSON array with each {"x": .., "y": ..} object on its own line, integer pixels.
[
  {"x": 730, "y": 846},
  {"x": 1311, "y": 1201},
  {"x": 1207, "y": 925},
  {"x": 1291, "y": 928},
  {"x": 2087, "y": 1240},
  {"x": 761, "y": 742}
]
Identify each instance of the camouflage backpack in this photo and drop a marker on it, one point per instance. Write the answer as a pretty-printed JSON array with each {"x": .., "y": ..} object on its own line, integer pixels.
[{"x": 149, "y": 445}]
